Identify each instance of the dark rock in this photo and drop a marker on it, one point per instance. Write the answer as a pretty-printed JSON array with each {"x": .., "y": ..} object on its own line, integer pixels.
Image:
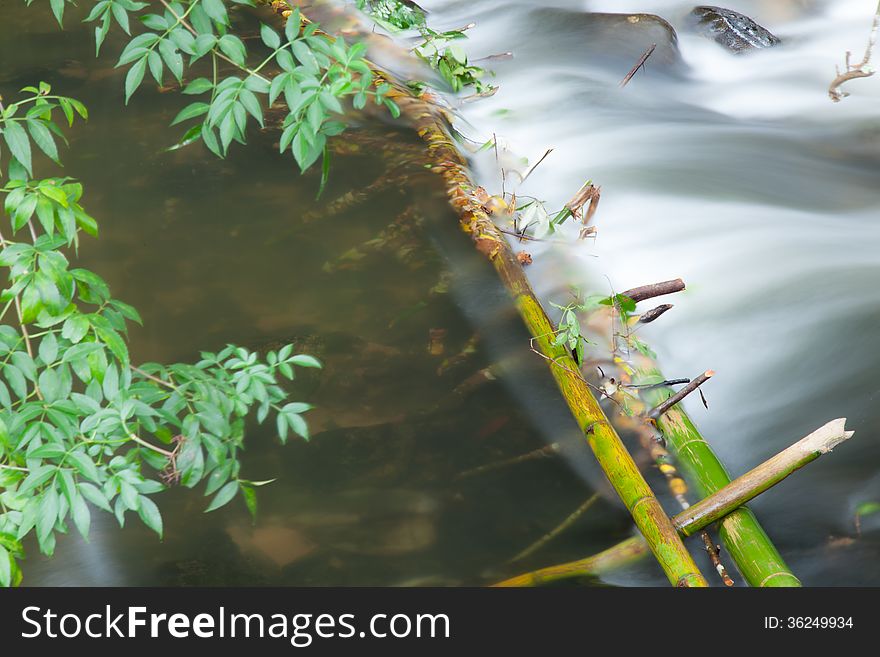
[
  {"x": 609, "y": 41},
  {"x": 736, "y": 32}
]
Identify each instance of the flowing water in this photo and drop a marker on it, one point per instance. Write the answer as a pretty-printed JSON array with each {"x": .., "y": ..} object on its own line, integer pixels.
[{"x": 736, "y": 173}]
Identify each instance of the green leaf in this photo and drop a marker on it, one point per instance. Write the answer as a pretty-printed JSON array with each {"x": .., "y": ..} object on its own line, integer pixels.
[
  {"x": 74, "y": 329},
  {"x": 94, "y": 495},
  {"x": 121, "y": 16},
  {"x": 127, "y": 311},
  {"x": 82, "y": 517},
  {"x": 37, "y": 478},
  {"x": 48, "y": 349},
  {"x": 5, "y": 568},
  {"x": 23, "y": 361},
  {"x": 49, "y": 294},
  {"x": 223, "y": 497},
  {"x": 303, "y": 360},
  {"x": 250, "y": 499},
  {"x": 24, "y": 211},
  {"x": 58, "y": 10},
  {"x": 116, "y": 344},
  {"x": 149, "y": 513},
  {"x": 16, "y": 381},
  {"x": 43, "y": 138},
  {"x": 216, "y": 10},
  {"x": 134, "y": 77},
  {"x": 282, "y": 426},
  {"x": 232, "y": 47},
  {"x": 110, "y": 385},
  {"x": 47, "y": 514},
  {"x": 50, "y": 385},
  {"x": 94, "y": 282},
  {"x": 218, "y": 477},
  {"x": 270, "y": 37},
  {"x": 86, "y": 468},
  {"x": 204, "y": 44},
  {"x": 191, "y": 111},
  {"x": 198, "y": 86},
  {"x": 252, "y": 105},
  {"x": 19, "y": 144},
  {"x": 298, "y": 425},
  {"x": 155, "y": 62},
  {"x": 172, "y": 58},
  {"x": 292, "y": 27},
  {"x": 46, "y": 214}
]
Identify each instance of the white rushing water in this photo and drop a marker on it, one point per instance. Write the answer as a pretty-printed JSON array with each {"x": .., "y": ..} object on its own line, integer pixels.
[{"x": 738, "y": 174}]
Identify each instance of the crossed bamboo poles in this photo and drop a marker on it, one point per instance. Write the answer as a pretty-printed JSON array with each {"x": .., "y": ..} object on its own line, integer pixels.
[{"x": 722, "y": 500}]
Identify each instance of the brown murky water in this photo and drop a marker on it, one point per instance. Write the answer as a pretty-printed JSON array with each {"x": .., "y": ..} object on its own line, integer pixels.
[{"x": 214, "y": 251}]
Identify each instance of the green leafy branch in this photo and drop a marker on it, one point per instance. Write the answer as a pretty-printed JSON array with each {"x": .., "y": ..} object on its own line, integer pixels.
[
  {"x": 437, "y": 49},
  {"x": 80, "y": 426},
  {"x": 313, "y": 73}
]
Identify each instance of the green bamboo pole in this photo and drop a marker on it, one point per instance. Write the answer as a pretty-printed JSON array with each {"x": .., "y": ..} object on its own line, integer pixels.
[
  {"x": 430, "y": 122},
  {"x": 720, "y": 505}
]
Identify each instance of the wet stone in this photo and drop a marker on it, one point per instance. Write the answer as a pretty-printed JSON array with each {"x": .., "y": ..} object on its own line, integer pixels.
[
  {"x": 736, "y": 32},
  {"x": 613, "y": 41}
]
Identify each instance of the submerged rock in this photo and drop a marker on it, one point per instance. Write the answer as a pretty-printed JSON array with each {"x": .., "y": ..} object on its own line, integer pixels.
[
  {"x": 604, "y": 40},
  {"x": 736, "y": 32}
]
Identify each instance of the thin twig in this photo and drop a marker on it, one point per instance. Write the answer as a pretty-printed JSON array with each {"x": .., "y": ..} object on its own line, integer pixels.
[
  {"x": 714, "y": 552},
  {"x": 681, "y": 394},
  {"x": 861, "y": 70},
  {"x": 556, "y": 531},
  {"x": 536, "y": 165},
  {"x": 156, "y": 379},
  {"x": 639, "y": 64},
  {"x": 543, "y": 452}
]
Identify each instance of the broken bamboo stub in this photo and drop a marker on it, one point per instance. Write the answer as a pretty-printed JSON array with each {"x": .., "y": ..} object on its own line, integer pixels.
[
  {"x": 723, "y": 504},
  {"x": 768, "y": 474},
  {"x": 430, "y": 122}
]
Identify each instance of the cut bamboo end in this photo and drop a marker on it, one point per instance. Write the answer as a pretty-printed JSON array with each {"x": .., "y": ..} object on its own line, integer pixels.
[
  {"x": 747, "y": 487},
  {"x": 825, "y": 438}
]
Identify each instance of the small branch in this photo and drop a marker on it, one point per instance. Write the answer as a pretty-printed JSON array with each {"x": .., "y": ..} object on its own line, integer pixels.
[
  {"x": 556, "y": 531},
  {"x": 536, "y": 165},
  {"x": 543, "y": 452},
  {"x": 639, "y": 64},
  {"x": 654, "y": 313},
  {"x": 155, "y": 379},
  {"x": 660, "y": 384},
  {"x": 141, "y": 441},
  {"x": 655, "y": 290},
  {"x": 681, "y": 394},
  {"x": 861, "y": 70},
  {"x": 714, "y": 552},
  {"x": 24, "y": 331}
]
